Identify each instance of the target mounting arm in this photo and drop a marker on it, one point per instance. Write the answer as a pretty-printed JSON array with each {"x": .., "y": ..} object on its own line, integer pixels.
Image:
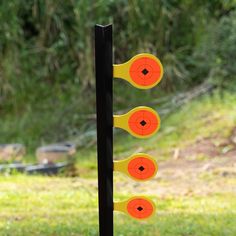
[{"x": 143, "y": 71}]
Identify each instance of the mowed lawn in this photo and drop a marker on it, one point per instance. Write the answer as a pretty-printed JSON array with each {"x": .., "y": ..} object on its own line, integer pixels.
[{"x": 68, "y": 206}]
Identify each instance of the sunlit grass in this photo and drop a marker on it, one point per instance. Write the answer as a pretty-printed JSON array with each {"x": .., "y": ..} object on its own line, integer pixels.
[
  {"x": 67, "y": 206},
  {"x": 36, "y": 205}
]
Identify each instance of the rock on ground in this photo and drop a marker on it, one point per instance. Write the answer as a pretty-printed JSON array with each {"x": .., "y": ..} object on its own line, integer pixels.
[
  {"x": 55, "y": 153},
  {"x": 12, "y": 152}
]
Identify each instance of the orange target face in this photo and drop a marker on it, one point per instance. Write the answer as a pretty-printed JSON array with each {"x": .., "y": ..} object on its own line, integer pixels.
[
  {"x": 143, "y": 122},
  {"x": 140, "y": 208},
  {"x": 141, "y": 168},
  {"x": 145, "y": 71}
]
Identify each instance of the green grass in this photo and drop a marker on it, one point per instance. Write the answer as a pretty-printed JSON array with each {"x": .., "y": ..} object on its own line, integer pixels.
[
  {"x": 202, "y": 118},
  {"x": 36, "y": 205},
  {"x": 65, "y": 206}
]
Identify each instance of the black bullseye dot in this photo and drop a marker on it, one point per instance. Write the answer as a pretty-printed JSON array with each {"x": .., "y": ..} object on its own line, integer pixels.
[
  {"x": 141, "y": 168},
  {"x": 145, "y": 71},
  {"x": 139, "y": 208},
  {"x": 143, "y": 123}
]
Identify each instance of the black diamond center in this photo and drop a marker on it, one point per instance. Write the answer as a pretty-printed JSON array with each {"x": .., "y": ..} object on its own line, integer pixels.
[
  {"x": 139, "y": 208},
  {"x": 145, "y": 71},
  {"x": 141, "y": 168},
  {"x": 143, "y": 123}
]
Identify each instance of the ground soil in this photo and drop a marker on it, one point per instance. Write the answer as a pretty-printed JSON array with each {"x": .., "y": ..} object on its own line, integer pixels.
[{"x": 208, "y": 166}]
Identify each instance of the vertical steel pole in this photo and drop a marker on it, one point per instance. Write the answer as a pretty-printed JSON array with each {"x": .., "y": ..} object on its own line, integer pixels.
[{"x": 104, "y": 78}]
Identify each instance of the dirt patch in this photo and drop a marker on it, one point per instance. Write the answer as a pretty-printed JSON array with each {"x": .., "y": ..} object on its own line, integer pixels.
[
  {"x": 212, "y": 147},
  {"x": 206, "y": 167},
  {"x": 202, "y": 147},
  {"x": 231, "y": 153},
  {"x": 184, "y": 178}
]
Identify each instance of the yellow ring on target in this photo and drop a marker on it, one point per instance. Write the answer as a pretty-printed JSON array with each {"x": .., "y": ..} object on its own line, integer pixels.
[
  {"x": 140, "y": 167},
  {"x": 141, "y": 122},
  {"x": 143, "y": 71},
  {"x": 138, "y": 207}
]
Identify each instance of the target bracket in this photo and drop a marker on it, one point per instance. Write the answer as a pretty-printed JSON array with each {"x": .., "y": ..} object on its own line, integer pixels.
[
  {"x": 143, "y": 71},
  {"x": 140, "y": 122},
  {"x": 139, "y": 167},
  {"x": 138, "y": 207}
]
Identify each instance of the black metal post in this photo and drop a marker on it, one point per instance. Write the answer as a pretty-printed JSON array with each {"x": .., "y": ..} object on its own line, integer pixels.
[{"x": 104, "y": 78}]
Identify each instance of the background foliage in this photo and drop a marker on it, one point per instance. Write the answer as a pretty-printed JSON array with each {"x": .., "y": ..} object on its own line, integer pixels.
[
  {"x": 46, "y": 57},
  {"x": 47, "y": 95}
]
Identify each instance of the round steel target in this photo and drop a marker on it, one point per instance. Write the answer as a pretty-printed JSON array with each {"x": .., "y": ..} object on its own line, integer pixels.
[
  {"x": 143, "y": 122},
  {"x": 140, "y": 208},
  {"x": 146, "y": 71},
  {"x": 141, "y": 168}
]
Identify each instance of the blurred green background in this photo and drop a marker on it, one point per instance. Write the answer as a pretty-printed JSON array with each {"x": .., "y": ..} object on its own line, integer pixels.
[
  {"x": 47, "y": 57},
  {"x": 47, "y": 95}
]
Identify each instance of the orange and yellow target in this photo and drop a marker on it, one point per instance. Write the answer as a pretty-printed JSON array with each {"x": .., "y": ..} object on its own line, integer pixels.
[
  {"x": 139, "y": 207},
  {"x": 140, "y": 167},
  {"x": 141, "y": 122},
  {"x": 143, "y": 71}
]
